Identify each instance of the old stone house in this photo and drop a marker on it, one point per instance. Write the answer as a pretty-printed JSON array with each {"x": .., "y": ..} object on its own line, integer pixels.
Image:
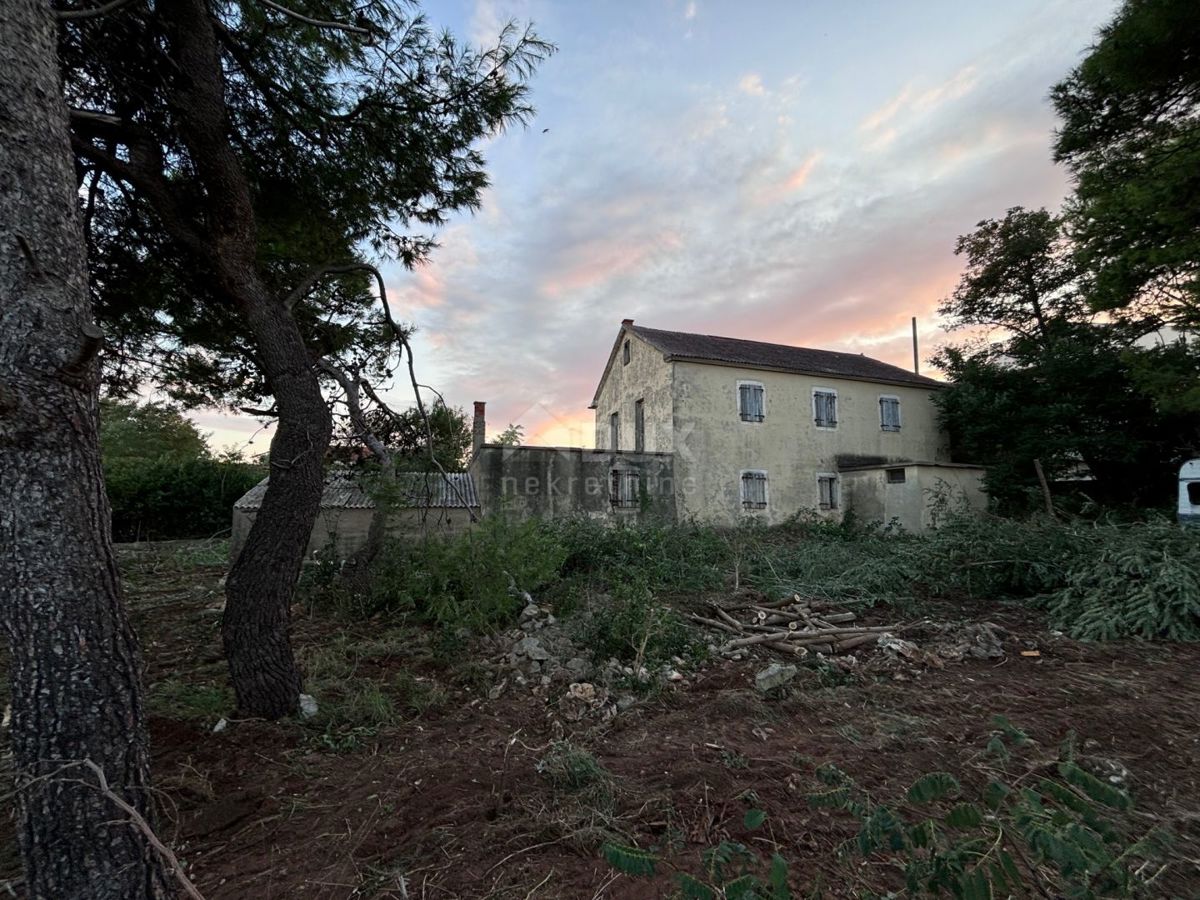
[
  {"x": 692, "y": 426},
  {"x": 766, "y": 430}
]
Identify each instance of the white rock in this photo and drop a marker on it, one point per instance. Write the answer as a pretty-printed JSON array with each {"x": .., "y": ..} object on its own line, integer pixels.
[
  {"x": 221, "y": 725},
  {"x": 308, "y": 706}
]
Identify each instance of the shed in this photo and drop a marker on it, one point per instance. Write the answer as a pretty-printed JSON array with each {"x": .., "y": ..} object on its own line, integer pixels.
[
  {"x": 428, "y": 503},
  {"x": 911, "y": 493}
]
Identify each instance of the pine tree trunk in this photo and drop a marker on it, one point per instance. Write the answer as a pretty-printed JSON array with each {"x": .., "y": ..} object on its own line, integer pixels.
[
  {"x": 75, "y": 664},
  {"x": 263, "y": 578}
]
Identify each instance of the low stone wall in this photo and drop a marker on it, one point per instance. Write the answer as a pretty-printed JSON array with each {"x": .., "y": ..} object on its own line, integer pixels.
[
  {"x": 557, "y": 482},
  {"x": 345, "y": 530}
]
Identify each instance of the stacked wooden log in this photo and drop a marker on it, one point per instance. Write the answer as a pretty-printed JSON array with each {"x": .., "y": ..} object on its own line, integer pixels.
[{"x": 792, "y": 625}]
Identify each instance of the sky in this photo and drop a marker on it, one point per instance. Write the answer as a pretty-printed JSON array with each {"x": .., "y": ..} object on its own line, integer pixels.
[{"x": 792, "y": 172}]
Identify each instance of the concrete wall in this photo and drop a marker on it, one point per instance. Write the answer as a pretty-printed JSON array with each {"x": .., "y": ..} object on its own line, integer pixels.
[
  {"x": 713, "y": 446},
  {"x": 912, "y": 504},
  {"x": 346, "y": 529},
  {"x": 551, "y": 482},
  {"x": 647, "y": 377}
]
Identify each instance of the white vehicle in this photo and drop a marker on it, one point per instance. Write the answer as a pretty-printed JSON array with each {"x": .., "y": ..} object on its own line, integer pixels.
[{"x": 1189, "y": 493}]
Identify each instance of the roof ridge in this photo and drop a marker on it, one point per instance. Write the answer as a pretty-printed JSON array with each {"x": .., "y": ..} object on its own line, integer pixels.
[
  {"x": 750, "y": 353},
  {"x": 725, "y": 337}
]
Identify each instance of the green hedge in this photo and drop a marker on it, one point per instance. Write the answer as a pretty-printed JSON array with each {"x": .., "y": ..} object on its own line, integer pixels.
[{"x": 167, "y": 499}]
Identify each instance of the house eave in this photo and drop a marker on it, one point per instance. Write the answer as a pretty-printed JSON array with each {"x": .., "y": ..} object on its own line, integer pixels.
[{"x": 814, "y": 373}]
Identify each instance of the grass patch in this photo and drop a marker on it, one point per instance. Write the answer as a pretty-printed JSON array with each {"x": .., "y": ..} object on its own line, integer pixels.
[{"x": 177, "y": 699}]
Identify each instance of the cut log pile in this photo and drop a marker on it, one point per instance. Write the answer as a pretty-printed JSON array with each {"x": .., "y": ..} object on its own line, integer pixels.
[{"x": 793, "y": 625}]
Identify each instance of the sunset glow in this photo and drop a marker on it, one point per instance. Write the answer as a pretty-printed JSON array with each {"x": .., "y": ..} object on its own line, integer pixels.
[{"x": 794, "y": 173}]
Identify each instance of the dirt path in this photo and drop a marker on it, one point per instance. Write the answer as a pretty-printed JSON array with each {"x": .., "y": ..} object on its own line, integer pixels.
[{"x": 449, "y": 802}]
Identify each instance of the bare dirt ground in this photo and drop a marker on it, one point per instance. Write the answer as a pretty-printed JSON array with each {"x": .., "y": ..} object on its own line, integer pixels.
[{"x": 448, "y": 800}]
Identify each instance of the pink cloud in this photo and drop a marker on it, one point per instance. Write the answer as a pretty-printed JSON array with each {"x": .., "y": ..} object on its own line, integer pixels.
[
  {"x": 797, "y": 179},
  {"x": 599, "y": 261}
]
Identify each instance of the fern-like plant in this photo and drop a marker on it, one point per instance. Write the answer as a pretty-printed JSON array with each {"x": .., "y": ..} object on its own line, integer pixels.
[
  {"x": 1062, "y": 833},
  {"x": 728, "y": 871}
]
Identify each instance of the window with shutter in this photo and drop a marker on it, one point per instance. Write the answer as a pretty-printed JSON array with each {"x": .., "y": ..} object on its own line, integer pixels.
[
  {"x": 625, "y": 354},
  {"x": 889, "y": 413},
  {"x": 639, "y": 425},
  {"x": 625, "y": 488},
  {"x": 825, "y": 408},
  {"x": 827, "y": 491},
  {"x": 614, "y": 432},
  {"x": 752, "y": 401},
  {"x": 754, "y": 490}
]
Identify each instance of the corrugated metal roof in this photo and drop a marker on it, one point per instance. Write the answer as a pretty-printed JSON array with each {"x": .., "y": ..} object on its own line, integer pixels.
[
  {"x": 754, "y": 354},
  {"x": 416, "y": 489}
]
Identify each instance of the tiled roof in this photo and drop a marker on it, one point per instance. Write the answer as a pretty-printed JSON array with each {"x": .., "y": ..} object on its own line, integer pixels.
[
  {"x": 416, "y": 489},
  {"x": 758, "y": 355}
]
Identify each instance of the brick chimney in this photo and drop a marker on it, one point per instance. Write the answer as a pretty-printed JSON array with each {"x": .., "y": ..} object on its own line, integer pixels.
[
  {"x": 478, "y": 427},
  {"x": 627, "y": 322}
]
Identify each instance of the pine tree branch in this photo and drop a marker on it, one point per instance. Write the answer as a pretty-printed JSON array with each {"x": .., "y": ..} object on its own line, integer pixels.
[
  {"x": 76, "y": 15},
  {"x": 317, "y": 23}
]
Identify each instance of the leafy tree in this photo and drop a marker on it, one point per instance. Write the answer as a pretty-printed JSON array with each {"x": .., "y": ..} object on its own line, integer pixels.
[
  {"x": 161, "y": 479},
  {"x": 1054, "y": 385},
  {"x": 510, "y": 436},
  {"x": 1020, "y": 277},
  {"x": 238, "y": 159},
  {"x": 148, "y": 431},
  {"x": 405, "y": 436},
  {"x": 79, "y": 750},
  {"x": 1131, "y": 136}
]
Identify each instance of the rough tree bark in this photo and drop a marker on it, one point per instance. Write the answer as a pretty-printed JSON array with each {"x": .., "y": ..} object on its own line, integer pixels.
[
  {"x": 75, "y": 664},
  {"x": 262, "y": 580}
]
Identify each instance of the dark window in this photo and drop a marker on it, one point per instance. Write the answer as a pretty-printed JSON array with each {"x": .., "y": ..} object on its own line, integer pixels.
[
  {"x": 614, "y": 432},
  {"x": 1194, "y": 493},
  {"x": 751, "y": 406},
  {"x": 754, "y": 490},
  {"x": 825, "y": 408},
  {"x": 895, "y": 476},
  {"x": 827, "y": 488},
  {"x": 625, "y": 488},
  {"x": 889, "y": 413},
  {"x": 639, "y": 425},
  {"x": 625, "y": 354}
]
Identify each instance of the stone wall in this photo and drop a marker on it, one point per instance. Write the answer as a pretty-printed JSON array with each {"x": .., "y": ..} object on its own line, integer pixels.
[
  {"x": 345, "y": 530},
  {"x": 557, "y": 482}
]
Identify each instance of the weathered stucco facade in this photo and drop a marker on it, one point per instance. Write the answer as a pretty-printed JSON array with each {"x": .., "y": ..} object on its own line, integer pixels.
[
  {"x": 665, "y": 400},
  {"x": 913, "y": 495},
  {"x": 557, "y": 482}
]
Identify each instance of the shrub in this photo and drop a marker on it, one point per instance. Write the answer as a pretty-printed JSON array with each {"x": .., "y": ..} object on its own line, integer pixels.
[
  {"x": 834, "y": 563},
  {"x": 634, "y": 628},
  {"x": 1143, "y": 582},
  {"x": 165, "y": 499},
  {"x": 991, "y": 557},
  {"x": 470, "y": 581},
  {"x": 663, "y": 557}
]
